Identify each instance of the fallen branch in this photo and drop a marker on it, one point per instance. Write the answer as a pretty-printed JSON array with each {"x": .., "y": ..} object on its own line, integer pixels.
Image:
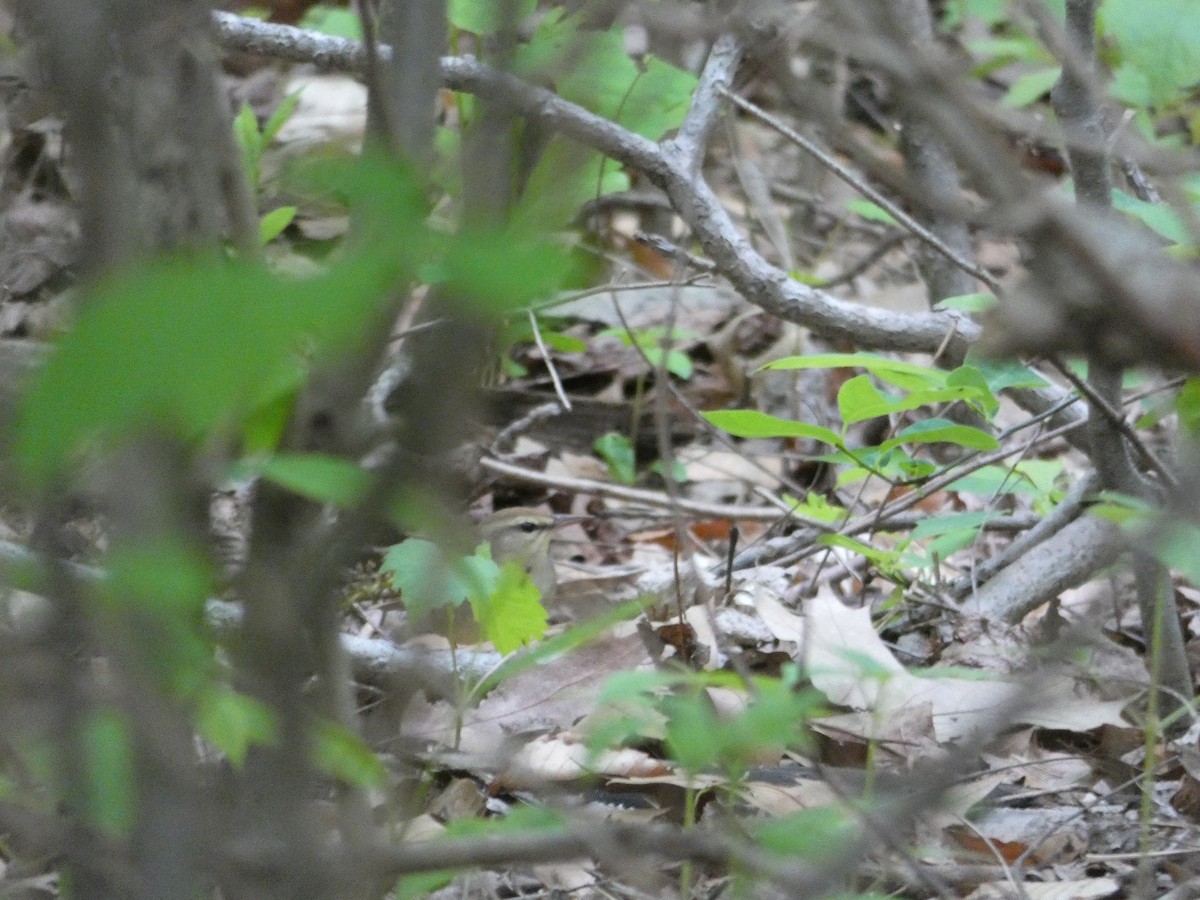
[
  {"x": 373, "y": 660},
  {"x": 1064, "y": 560}
]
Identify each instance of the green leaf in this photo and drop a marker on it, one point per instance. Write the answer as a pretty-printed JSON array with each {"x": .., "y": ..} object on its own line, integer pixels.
[
  {"x": 343, "y": 23},
  {"x": 932, "y": 431},
  {"x": 648, "y": 339},
  {"x": 191, "y": 346},
  {"x": 1121, "y": 509},
  {"x": 938, "y": 525},
  {"x": 505, "y": 602},
  {"x": 340, "y": 753},
  {"x": 632, "y": 687},
  {"x": 1013, "y": 48},
  {"x": 245, "y": 130},
  {"x": 1030, "y": 87},
  {"x": 775, "y": 717},
  {"x": 163, "y": 575},
  {"x": 749, "y": 423},
  {"x": 872, "y": 212},
  {"x": 1002, "y": 374},
  {"x": 896, "y": 372},
  {"x": 989, "y": 12},
  {"x": 565, "y": 178},
  {"x": 110, "y": 790},
  {"x": 484, "y": 18},
  {"x": 233, "y": 722},
  {"x": 1159, "y": 44},
  {"x": 977, "y": 391},
  {"x": 816, "y": 507},
  {"x": 266, "y": 423},
  {"x": 591, "y": 68},
  {"x": 677, "y": 472},
  {"x": 973, "y": 303},
  {"x": 552, "y": 337},
  {"x": 886, "y": 560},
  {"x": 859, "y": 399},
  {"x": 1158, "y": 217},
  {"x": 1187, "y": 404},
  {"x": 273, "y": 223},
  {"x": 949, "y": 543},
  {"x": 564, "y": 642},
  {"x": 692, "y": 731},
  {"x": 503, "y": 270},
  {"x": 326, "y": 479},
  {"x": 160, "y": 586},
  {"x": 384, "y": 195},
  {"x": 429, "y": 580},
  {"x": 412, "y": 887},
  {"x": 678, "y": 364},
  {"x": 810, "y": 834},
  {"x": 617, "y": 452},
  {"x": 513, "y": 614},
  {"x": 521, "y": 819},
  {"x": 1132, "y": 85},
  {"x": 890, "y": 462},
  {"x": 279, "y": 118},
  {"x": 1177, "y": 546}
]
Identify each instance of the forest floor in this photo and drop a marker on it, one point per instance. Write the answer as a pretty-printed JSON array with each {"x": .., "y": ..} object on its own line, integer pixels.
[{"x": 1018, "y": 744}]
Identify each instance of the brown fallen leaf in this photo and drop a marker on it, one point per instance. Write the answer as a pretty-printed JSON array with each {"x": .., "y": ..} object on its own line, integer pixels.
[{"x": 1056, "y": 835}]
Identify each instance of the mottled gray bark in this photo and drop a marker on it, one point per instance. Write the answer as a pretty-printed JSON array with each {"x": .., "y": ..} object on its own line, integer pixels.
[
  {"x": 1076, "y": 102},
  {"x": 147, "y": 122},
  {"x": 151, "y": 145}
]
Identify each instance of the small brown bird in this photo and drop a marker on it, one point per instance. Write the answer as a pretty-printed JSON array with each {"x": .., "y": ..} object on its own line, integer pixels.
[
  {"x": 523, "y": 535},
  {"x": 517, "y": 534}
]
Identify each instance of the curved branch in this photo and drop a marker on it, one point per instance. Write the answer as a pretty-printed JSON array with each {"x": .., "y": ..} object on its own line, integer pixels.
[
  {"x": 670, "y": 166},
  {"x": 701, "y": 118}
]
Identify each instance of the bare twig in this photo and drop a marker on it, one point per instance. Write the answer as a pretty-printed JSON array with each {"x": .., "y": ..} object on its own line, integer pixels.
[
  {"x": 889, "y": 243},
  {"x": 1063, "y": 513},
  {"x": 753, "y": 276},
  {"x": 661, "y": 245},
  {"x": 637, "y": 495},
  {"x": 861, "y": 185},
  {"x": 550, "y": 367},
  {"x": 692, "y": 139}
]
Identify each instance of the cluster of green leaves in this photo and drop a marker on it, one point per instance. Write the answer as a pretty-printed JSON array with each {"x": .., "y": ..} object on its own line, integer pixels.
[
  {"x": 504, "y": 600},
  {"x": 859, "y": 399},
  {"x": 657, "y": 345},
  {"x": 673, "y": 707},
  {"x": 620, "y": 455},
  {"x": 213, "y": 352},
  {"x": 253, "y": 142},
  {"x": 1012, "y": 39},
  {"x": 1153, "y": 50},
  {"x": 907, "y": 388},
  {"x": 584, "y": 65},
  {"x": 210, "y": 348},
  {"x": 1153, "y": 53},
  {"x": 676, "y": 710},
  {"x": 1172, "y": 539}
]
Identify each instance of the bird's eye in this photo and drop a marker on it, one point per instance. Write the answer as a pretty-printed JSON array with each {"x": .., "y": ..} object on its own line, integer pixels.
[{"x": 528, "y": 527}]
